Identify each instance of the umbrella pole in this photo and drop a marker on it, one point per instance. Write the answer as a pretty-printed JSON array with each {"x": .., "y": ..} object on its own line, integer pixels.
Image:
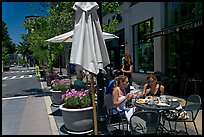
[
  {"x": 87, "y": 81},
  {"x": 101, "y": 115},
  {"x": 94, "y": 106}
]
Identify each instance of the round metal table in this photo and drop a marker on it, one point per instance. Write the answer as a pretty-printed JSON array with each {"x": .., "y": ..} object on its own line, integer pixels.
[{"x": 172, "y": 105}]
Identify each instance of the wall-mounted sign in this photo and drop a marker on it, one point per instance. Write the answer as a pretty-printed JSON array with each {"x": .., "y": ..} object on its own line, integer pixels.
[{"x": 175, "y": 29}]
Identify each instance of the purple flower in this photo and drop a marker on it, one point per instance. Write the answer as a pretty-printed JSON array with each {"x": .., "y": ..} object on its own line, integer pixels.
[
  {"x": 62, "y": 85},
  {"x": 77, "y": 99}
]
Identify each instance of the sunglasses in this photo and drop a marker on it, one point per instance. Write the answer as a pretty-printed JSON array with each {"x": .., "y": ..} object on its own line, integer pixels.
[
  {"x": 150, "y": 81},
  {"x": 126, "y": 82}
]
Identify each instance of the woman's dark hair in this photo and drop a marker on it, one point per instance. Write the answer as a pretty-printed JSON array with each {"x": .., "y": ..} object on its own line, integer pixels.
[{"x": 152, "y": 76}]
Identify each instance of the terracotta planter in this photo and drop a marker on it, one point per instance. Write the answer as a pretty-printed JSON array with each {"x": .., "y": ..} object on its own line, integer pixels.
[
  {"x": 78, "y": 121},
  {"x": 57, "y": 97}
]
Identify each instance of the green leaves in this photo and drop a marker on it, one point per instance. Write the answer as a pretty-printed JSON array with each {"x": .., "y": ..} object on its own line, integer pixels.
[
  {"x": 60, "y": 19},
  {"x": 8, "y": 47}
]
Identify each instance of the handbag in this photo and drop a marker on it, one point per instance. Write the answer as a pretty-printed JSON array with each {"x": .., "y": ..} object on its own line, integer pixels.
[{"x": 176, "y": 114}]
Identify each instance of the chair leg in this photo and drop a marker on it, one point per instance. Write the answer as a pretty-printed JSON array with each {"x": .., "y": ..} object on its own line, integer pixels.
[
  {"x": 171, "y": 130},
  {"x": 175, "y": 127},
  {"x": 119, "y": 126},
  {"x": 127, "y": 125},
  {"x": 163, "y": 122},
  {"x": 185, "y": 127},
  {"x": 195, "y": 127}
]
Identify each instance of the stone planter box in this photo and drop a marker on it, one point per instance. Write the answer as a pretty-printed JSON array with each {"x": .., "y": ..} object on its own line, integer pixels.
[
  {"x": 78, "y": 121},
  {"x": 57, "y": 97}
]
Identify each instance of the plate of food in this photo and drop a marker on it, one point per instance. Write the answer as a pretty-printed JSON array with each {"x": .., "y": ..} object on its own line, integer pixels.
[
  {"x": 174, "y": 99},
  {"x": 161, "y": 104},
  {"x": 142, "y": 101}
]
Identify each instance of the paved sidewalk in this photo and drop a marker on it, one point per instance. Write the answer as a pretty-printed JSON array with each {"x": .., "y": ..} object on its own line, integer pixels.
[{"x": 25, "y": 116}]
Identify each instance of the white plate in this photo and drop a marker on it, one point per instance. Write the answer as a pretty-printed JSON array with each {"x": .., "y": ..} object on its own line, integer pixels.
[
  {"x": 142, "y": 101},
  {"x": 174, "y": 99},
  {"x": 162, "y": 104}
]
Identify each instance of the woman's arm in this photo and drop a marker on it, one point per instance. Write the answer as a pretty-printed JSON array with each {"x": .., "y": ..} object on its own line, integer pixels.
[
  {"x": 117, "y": 102},
  {"x": 162, "y": 89},
  {"x": 128, "y": 71},
  {"x": 144, "y": 91}
]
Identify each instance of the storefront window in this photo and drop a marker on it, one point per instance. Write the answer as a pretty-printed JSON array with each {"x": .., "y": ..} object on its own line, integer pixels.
[
  {"x": 181, "y": 53},
  {"x": 178, "y": 12},
  {"x": 143, "y": 48}
]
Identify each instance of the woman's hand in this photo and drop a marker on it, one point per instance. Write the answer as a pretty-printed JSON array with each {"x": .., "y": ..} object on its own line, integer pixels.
[
  {"x": 147, "y": 91},
  {"x": 129, "y": 96}
]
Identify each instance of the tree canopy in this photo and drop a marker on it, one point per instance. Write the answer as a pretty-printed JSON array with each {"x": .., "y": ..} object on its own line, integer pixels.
[
  {"x": 60, "y": 19},
  {"x": 8, "y": 47}
]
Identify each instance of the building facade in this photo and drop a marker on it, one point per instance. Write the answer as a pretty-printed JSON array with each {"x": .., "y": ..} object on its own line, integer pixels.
[{"x": 160, "y": 36}]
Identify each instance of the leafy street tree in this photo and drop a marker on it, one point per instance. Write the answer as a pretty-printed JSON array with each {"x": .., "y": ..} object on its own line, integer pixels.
[
  {"x": 8, "y": 48},
  {"x": 23, "y": 49},
  {"x": 60, "y": 19}
]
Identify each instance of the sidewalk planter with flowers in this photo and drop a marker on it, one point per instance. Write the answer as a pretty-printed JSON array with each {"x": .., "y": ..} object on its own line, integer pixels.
[
  {"x": 77, "y": 111},
  {"x": 51, "y": 76},
  {"x": 59, "y": 88}
]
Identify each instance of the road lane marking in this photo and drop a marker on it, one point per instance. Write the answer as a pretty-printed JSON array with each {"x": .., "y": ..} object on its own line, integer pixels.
[
  {"x": 13, "y": 77},
  {"x": 14, "y": 97},
  {"x": 4, "y": 78},
  {"x": 18, "y": 77}
]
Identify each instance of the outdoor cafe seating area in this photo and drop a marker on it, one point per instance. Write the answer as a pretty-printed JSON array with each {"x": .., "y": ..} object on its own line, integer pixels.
[{"x": 152, "y": 117}]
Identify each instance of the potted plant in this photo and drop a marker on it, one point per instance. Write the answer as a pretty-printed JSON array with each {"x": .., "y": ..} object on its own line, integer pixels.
[
  {"x": 77, "y": 111},
  {"x": 51, "y": 75},
  {"x": 59, "y": 88}
]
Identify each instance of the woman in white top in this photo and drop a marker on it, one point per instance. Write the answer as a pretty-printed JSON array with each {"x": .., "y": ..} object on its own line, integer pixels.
[{"x": 120, "y": 97}]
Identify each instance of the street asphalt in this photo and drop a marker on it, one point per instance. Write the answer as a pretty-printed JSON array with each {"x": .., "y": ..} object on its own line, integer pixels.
[{"x": 37, "y": 116}]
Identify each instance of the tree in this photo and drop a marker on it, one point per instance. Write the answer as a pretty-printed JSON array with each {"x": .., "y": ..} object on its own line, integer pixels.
[
  {"x": 59, "y": 20},
  {"x": 23, "y": 49},
  {"x": 8, "y": 48},
  {"x": 110, "y": 7}
]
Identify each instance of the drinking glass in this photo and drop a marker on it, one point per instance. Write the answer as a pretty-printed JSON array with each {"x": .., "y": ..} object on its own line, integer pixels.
[{"x": 163, "y": 98}]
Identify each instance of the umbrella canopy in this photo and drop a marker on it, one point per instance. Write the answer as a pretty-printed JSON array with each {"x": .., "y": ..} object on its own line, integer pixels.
[
  {"x": 68, "y": 36},
  {"x": 88, "y": 45}
]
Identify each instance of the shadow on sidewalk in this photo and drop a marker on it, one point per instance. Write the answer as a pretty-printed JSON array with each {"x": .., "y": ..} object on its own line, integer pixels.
[{"x": 57, "y": 112}]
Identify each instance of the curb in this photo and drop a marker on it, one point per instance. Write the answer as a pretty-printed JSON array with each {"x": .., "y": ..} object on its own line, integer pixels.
[{"x": 53, "y": 124}]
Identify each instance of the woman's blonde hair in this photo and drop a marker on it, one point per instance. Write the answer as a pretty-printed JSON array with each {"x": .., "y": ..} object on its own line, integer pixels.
[
  {"x": 128, "y": 58},
  {"x": 119, "y": 79}
]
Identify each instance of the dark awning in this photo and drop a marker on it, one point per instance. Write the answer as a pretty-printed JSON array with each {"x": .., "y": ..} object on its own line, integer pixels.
[{"x": 174, "y": 29}]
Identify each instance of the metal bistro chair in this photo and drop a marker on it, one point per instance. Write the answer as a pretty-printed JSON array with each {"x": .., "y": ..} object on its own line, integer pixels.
[
  {"x": 144, "y": 122},
  {"x": 114, "y": 120},
  {"x": 192, "y": 107}
]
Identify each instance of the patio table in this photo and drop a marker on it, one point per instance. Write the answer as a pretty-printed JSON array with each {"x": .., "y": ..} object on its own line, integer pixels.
[{"x": 172, "y": 105}]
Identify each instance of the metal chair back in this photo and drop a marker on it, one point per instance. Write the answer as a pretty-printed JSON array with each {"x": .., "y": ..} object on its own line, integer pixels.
[
  {"x": 113, "y": 119},
  {"x": 191, "y": 108}
]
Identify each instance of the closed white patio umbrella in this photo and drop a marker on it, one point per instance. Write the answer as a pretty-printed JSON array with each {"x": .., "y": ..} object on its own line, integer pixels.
[{"x": 89, "y": 50}]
